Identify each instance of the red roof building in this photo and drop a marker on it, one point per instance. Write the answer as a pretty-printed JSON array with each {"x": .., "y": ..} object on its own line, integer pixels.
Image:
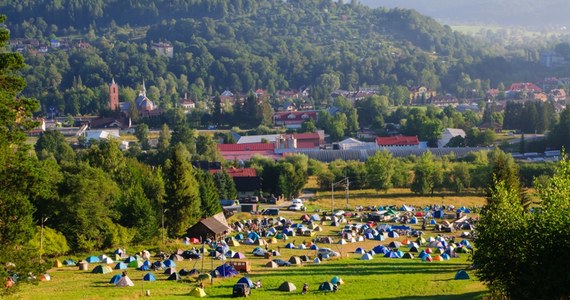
[
  {"x": 246, "y": 179},
  {"x": 525, "y": 87},
  {"x": 246, "y": 147},
  {"x": 294, "y": 119},
  {"x": 246, "y": 151},
  {"x": 398, "y": 141}
]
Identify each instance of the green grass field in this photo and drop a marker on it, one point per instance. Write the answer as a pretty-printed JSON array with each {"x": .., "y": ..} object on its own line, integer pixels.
[{"x": 380, "y": 278}]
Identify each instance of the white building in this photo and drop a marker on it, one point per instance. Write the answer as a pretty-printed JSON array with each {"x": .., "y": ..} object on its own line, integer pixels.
[{"x": 448, "y": 134}]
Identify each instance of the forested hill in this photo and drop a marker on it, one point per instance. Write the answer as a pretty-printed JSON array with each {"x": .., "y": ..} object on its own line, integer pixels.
[
  {"x": 239, "y": 45},
  {"x": 534, "y": 13}
]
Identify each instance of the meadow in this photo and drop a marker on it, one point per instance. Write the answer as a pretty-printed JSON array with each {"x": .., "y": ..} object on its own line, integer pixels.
[{"x": 380, "y": 278}]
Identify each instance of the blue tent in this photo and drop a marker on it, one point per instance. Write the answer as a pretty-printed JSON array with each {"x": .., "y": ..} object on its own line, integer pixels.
[
  {"x": 147, "y": 263},
  {"x": 426, "y": 257},
  {"x": 253, "y": 235},
  {"x": 92, "y": 259},
  {"x": 169, "y": 263},
  {"x": 393, "y": 234},
  {"x": 391, "y": 254},
  {"x": 432, "y": 222},
  {"x": 461, "y": 275},
  {"x": 379, "y": 237},
  {"x": 115, "y": 279},
  {"x": 360, "y": 250},
  {"x": 129, "y": 259},
  {"x": 414, "y": 220},
  {"x": 438, "y": 214},
  {"x": 158, "y": 264},
  {"x": 290, "y": 246},
  {"x": 149, "y": 277},
  {"x": 380, "y": 249},
  {"x": 69, "y": 262},
  {"x": 239, "y": 236},
  {"x": 372, "y": 252},
  {"x": 121, "y": 266},
  {"x": 369, "y": 236},
  {"x": 465, "y": 243},
  {"x": 314, "y": 247},
  {"x": 422, "y": 254},
  {"x": 246, "y": 281},
  {"x": 144, "y": 268},
  {"x": 445, "y": 256},
  {"x": 226, "y": 270}
]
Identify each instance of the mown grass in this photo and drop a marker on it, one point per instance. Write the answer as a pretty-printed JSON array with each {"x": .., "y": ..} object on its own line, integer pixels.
[
  {"x": 398, "y": 197},
  {"x": 381, "y": 278}
]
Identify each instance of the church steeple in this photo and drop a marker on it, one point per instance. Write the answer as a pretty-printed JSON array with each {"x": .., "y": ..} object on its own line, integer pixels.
[
  {"x": 144, "y": 88},
  {"x": 113, "y": 95}
]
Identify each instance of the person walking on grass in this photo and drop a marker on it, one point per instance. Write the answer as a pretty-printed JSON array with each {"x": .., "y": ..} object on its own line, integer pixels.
[{"x": 305, "y": 288}]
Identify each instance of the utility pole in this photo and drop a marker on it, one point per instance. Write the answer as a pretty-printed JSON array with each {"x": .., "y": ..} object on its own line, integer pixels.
[
  {"x": 163, "y": 212},
  {"x": 347, "y": 185},
  {"x": 44, "y": 219},
  {"x": 332, "y": 198}
]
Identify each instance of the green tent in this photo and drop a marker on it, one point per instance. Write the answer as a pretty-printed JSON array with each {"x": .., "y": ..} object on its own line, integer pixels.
[{"x": 102, "y": 269}]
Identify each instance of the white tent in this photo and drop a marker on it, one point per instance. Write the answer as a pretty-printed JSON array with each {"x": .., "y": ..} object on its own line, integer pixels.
[{"x": 124, "y": 281}]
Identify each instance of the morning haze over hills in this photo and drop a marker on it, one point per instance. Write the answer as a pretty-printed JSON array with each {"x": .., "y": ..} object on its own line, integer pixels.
[{"x": 527, "y": 13}]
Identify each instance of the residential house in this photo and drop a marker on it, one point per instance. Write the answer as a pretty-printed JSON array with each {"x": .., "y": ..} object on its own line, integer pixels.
[
  {"x": 421, "y": 94},
  {"x": 558, "y": 94},
  {"x": 55, "y": 44},
  {"x": 163, "y": 49},
  {"x": 540, "y": 97},
  {"x": 287, "y": 106},
  {"x": 294, "y": 119},
  {"x": 187, "y": 104},
  {"x": 525, "y": 87},
  {"x": 443, "y": 100}
]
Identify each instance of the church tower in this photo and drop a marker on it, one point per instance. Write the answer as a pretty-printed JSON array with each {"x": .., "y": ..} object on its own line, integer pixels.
[{"x": 113, "y": 96}]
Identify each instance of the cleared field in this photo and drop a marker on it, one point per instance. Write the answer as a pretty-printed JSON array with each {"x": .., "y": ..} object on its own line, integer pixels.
[
  {"x": 397, "y": 197},
  {"x": 380, "y": 278}
]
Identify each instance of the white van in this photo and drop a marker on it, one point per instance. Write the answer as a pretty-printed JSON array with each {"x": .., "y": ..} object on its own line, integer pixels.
[{"x": 297, "y": 201}]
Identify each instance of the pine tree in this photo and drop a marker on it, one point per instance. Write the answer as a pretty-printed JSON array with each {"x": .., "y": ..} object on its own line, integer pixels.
[
  {"x": 231, "y": 190},
  {"x": 210, "y": 204},
  {"x": 17, "y": 168},
  {"x": 182, "y": 192}
]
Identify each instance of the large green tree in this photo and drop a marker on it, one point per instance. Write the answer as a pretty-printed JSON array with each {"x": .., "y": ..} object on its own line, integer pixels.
[
  {"x": 17, "y": 167},
  {"x": 380, "y": 168},
  {"x": 182, "y": 193},
  {"x": 521, "y": 254}
]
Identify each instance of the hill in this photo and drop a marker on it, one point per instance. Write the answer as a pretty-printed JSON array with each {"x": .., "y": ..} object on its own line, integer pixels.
[
  {"x": 526, "y": 13},
  {"x": 239, "y": 45}
]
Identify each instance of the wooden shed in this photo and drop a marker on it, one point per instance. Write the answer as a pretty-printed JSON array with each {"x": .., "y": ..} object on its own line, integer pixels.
[{"x": 215, "y": 227}]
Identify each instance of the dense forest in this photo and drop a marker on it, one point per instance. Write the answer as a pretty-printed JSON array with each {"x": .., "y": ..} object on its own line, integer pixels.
[{"x": 245, "y": 45}]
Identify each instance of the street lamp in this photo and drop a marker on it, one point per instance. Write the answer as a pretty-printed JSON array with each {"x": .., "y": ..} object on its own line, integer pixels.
[
  {"x": 43, "y": 219},
  {"x": 163, "y": 212}
]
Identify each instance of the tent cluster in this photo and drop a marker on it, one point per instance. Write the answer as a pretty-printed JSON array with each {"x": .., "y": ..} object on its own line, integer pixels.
[{"x": 444, "y": 250}]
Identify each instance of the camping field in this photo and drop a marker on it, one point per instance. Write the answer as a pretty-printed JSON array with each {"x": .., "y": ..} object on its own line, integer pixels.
[{"x": 379, "y": 278}]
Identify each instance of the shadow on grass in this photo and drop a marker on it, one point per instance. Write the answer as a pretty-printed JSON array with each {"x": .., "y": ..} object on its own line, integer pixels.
[
  {"x": 383, "y": 268},
  {"x": 473, "y": 295}
]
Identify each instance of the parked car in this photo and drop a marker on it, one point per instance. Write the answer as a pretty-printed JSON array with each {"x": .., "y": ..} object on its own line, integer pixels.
[
  {"x": 271, "y": 212},
  {"x": 297, "y": 207},
  {"x": 282, "y": 263},
  {"x": 328, "y": 251}
]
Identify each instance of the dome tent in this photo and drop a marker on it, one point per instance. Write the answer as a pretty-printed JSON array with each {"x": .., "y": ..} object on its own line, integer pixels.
[{"x": 287, "y": 287}]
